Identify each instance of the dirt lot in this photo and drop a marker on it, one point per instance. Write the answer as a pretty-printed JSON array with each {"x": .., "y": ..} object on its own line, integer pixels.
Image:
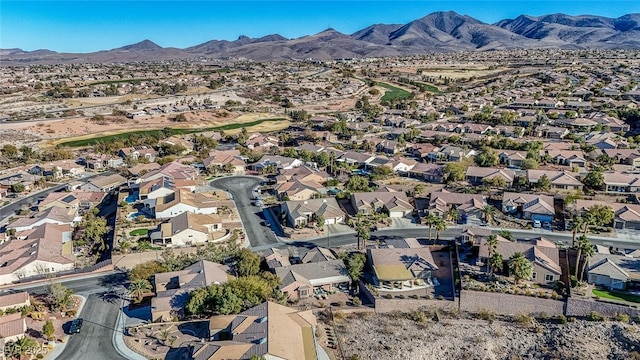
[{"x": 414, "y": 336}]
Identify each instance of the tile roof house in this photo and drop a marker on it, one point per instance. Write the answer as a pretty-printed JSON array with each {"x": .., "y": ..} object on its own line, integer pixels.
[
  {"x": 621, "y": 182},
  {"x": 137, "y": 152},
  {"x": 512, "y": 157},
  {"x": 173, "y": 170},
  {"x": 14, "y": 300},
  {"x": 559, "y": 179},
  {"x": 401, "y": 268},
  {"x": 280, "y": 162},
  {"x": 229, "y": 160},
  {"x": 566, "y": 157},
  {"x": 394, "y": 202},
  {"x": 269, "y": 331},
  {"x": 187, "y": 229},
  {"x": 72, "y": 200},
  {"x": 260, "y": 141},
  {"x": 104, "y": 183},
  {"x": 614, "y": 272},
  {"x": 184, "y": 201},
  {"x": 300, "y": 281},
  {"x": 626, "y": 216},
  {"x": 428, "y": 172},
  {"x": 52, "y": 215},
  {"x": 171, "y": 287},
  {"x": 299, "y": 190},
  {"x": 477, "y": 175},
  {"x": 299, "y": 213},
  {"x": 275, "y": 257},
  {"x": 530, "y": 206},
  {"x": 544, "y": 258},
  {"x": 303, "y": 173},
  {"x": 41, "y": 250},
  {"x": 441, "y": 201},
  {"x": 12, "y": 327}
]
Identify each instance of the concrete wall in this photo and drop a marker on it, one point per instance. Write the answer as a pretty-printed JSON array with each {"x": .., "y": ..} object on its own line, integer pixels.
[
  {"x": 387, "y": 305},
  {"x": 508, "y": 304}
]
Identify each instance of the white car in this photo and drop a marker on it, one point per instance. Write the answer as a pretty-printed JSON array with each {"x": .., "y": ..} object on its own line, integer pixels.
[{"x": 537, "y": 223}]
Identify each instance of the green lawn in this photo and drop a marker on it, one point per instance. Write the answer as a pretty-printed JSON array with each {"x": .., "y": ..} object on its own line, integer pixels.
[
  {"x": 156, "y": 133},
  {"x": 139, "y": 232},
  {"x": 393, "y": 92},
  {"x": 616, "y": 295}
]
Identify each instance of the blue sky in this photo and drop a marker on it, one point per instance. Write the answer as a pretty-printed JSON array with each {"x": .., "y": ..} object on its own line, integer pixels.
[{"x": 91, "y": 25}]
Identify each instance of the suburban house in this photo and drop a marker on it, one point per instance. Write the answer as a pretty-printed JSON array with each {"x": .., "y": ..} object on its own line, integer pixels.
[
  {"x": 172, "y": 287},
  {"x": 560, "y": 180},
  {"x": 389, "y": 147},
  {"x": 275, "y": 258},
  {"x": 260, "y": 141},
  {"x": 401, "y": 268},
  {"x": 626, "y": 216},
  {"x": 228, "y": 161},
  {"x": 450, "y": 154},
  {"x": 102, "y": 161},
  {"x": 42, "y": 250},
  {"x": 442, "y": 201},
  {"x": 623, "y": 156},
  {"x": 269, "y": 331},
  {"x": 14, "y": 300},
  {"x": 300, "y": 281},
  {"x": 474, "y": 235},
  {"x": 529, "y": 206},
  {"x": 187, "y": 229},
  {"x": 551, "y": 132},
  {"x": 572, "y": 158},
  {"x": 104, "y": 183},
  {"x": 513, "y": 158},
  {"x": 395, "y": 203},
  {"x": 621, "y": 182},
  {"x": 176, "y": 142},
  {"x": 12, "y": 327},
  {"x": 185, "y": 201},
  {"x": 428, "y": 171},
  {"x": 298, "y": 190},
  {"x": 299, "y": 213},
  {"x": 614, "y": 272},
  {"x": 52, "y": 215},
  {"x": 478, "y": 175},
  {"x": 543, "y": 256},
  {"x": 138, "y": 152},
  {"x": 280, "y": 162},
  {"x": 76, "y": 200},
  {"x": 303, "y": 173},
  {"x": 173, "y": 170}
]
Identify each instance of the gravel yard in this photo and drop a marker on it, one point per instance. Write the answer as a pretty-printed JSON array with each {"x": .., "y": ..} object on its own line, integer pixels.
[{"x": 418, "y": 336}]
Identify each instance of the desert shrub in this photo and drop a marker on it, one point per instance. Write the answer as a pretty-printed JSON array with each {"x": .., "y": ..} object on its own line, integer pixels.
[
  {"x": 387, "y": 296},
  {"x": 400, "y": 296},
  {"x": 595, "y": 316},
  {"x": 440, "y": 297},
  {"x": 523, "y": 319},
  {"x": 487, "y": 315},
  {"x": 339, "y": 316},
  {"x": 561, "y": 319},
  {"x": 356, "y": 301},
  {"x": 622, "y": 317}
]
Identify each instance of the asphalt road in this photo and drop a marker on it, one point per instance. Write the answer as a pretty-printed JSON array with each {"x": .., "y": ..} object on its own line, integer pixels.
[
  {"x": 95, "y": 340},
  {"x": 241, "y": 187}
]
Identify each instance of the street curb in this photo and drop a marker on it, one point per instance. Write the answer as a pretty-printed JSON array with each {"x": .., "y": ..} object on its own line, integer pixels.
[
  {"x": 118, "y": 339},
  {"x": 59, "y": 347}
]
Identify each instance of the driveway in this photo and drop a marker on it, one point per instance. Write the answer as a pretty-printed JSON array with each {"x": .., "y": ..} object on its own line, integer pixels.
[{"x": 241, "y": 187}]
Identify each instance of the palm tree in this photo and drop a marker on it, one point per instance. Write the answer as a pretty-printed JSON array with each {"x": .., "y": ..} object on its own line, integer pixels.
[
  {"x": 488, "y": 212},
  {"x": 588, "y": 220},
  {"x": 138, "y": 288},
  {"x": 453, "y": 214},
  {"x": 587, "y": 252},
  {"x": 430, "y": 220},
  {"x": 440, "y": 225},
  {"x": 520, "y": 268},
  {"x": 582, "y": 241},
  {"x": 576, "y": 225},
  {"x": 495, "y": 262},
  {"x": 492, "y": 244}
]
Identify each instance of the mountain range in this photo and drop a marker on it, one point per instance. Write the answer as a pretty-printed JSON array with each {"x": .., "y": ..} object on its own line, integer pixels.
[{"x": 436, "y": 32}]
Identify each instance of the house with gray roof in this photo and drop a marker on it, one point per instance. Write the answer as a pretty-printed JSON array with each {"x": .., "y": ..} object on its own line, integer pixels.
[
  {"x": 299, "y": 213},
  {"x": 614, "y": 272},
  {"x": 401, "y": 268},
  {"x": 301, "y": 281}
]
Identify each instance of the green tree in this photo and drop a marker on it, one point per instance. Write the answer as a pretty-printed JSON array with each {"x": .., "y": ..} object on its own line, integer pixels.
[
  {"x": 520, "y": 268},
  {"x": 48, "y": 329},
  {"x": 18, "y": 188},
  {"x": 439, "y": 226},
  {"x": 144, "y": 271},
  {"x": 430, "y": 221},
  {"x": 488, "y": 213},
  {"x": 587, "y": 251},
  {"x": 355, "y": 265},
  {"x": 59, "y": 297},
  {"x": 95, "y": 229},
  {"x": 454, "y": 171},
  {"x": 506, "y": 234},
  {"x": 495, "y": 262},
  {"x": 544, "y": 183},
  {"x": 577, "y": 224},
  {"x": 247, "y": 263},
  {"x": 10, "y": 151},
  {"x": 594, "y": 180},
  {"x": 603, "y": 215},
  {"x": 487, "y": 157},
  {"x": 138, "y": 288},
  {"x": 529, "y": 164},
  {"x": 358, "y": 183}
]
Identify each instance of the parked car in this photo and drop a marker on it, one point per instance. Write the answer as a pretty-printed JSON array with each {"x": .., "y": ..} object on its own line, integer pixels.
[
  {"x": 76, "y": 325},
  {"x": 537, "y": 223},
  {"x": 546, "y": 225}
]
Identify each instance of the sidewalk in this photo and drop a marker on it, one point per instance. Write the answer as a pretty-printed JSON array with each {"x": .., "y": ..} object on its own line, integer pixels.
[{"x": 118, "y": 337}]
